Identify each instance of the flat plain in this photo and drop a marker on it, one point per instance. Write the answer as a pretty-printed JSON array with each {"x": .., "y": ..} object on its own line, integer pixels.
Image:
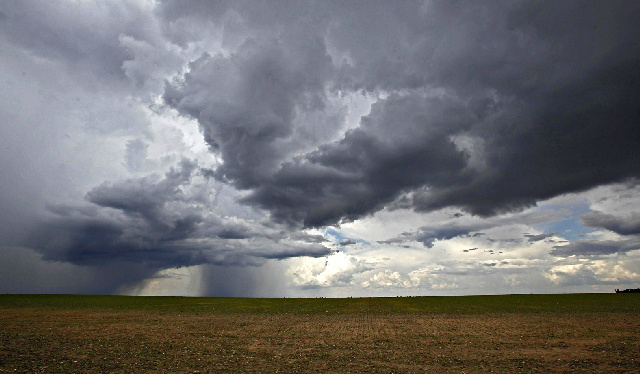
[{"x": 574, "y": 333}]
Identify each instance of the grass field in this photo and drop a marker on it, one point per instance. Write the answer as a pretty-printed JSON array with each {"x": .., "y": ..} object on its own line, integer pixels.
[{"x": 582, "y": 333}]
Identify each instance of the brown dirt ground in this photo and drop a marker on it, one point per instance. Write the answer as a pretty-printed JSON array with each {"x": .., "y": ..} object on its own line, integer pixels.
[{"x": 33, "y": 340}]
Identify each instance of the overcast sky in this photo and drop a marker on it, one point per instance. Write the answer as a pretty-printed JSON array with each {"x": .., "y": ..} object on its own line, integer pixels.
[{"x": 319, "y": 148}]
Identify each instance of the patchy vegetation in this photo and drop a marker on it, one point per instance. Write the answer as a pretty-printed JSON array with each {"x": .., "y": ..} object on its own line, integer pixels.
[{"x": 516, "y": 333}]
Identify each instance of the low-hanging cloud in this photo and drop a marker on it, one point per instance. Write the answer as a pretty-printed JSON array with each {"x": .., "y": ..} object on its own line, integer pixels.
[{"x": 159, "y": 223}]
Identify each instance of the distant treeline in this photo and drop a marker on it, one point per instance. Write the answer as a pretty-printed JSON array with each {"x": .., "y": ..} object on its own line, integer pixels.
[{"x": 628, "y": 290}]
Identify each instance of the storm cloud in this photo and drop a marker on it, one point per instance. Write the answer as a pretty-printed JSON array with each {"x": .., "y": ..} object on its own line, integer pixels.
[
  {"x": 484, "y": 106},
  {"x": 160, "y": 223}
]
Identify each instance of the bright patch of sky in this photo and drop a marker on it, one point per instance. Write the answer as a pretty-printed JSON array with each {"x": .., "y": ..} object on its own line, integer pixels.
[{"x": 570, "y": 228}]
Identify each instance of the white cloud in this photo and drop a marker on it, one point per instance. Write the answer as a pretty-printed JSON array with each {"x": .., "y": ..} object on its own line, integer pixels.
[
  {"x": 337, "y": 269},
  {"x": 623, "y": 270},
  {"x": 388, "y": 279},
  {"x": 425, "y": 279}
]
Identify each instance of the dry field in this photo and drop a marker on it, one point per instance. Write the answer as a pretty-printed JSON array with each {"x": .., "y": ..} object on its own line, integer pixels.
[{"x": 510, "y": 334}]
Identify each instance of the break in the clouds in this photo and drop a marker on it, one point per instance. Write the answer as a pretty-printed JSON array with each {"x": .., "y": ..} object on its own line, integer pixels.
[{"x": 155, "y": 135}]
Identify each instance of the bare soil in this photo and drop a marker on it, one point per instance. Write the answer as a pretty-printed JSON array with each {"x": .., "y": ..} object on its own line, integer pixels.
[{"x": 33, "y": 340}]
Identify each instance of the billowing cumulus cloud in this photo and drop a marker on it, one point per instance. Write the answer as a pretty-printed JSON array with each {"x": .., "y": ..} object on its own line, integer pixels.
[
  {"x": 425, "y": 278},
  {"x": 337, "y": 270},
  {"x": 145, "y": 136},
  {"x": 596, "y": 272}
]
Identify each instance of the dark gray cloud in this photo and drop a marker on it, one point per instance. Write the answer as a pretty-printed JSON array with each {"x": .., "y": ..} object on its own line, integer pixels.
[
  {"x": 537, "y": 237},
  {"x": 347, "y": 242},
  {"x": 246, "y": 103},
  {"x": 157, "y": 223},
  {"x": 596, "y": 247},
  {"x": 491, "y": 108},
  {"x": 560, "y": 83},
  {"x": 629, "y": 225},
  {"x": 370, "y": 166},
  {"x": 145, "y": 197},
  {"x": 428, "y": 235},
  {"x": 471, "y": 227}
]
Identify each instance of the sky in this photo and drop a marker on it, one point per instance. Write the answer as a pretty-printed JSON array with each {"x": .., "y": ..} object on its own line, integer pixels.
[{"x": 319, "y": 148}]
